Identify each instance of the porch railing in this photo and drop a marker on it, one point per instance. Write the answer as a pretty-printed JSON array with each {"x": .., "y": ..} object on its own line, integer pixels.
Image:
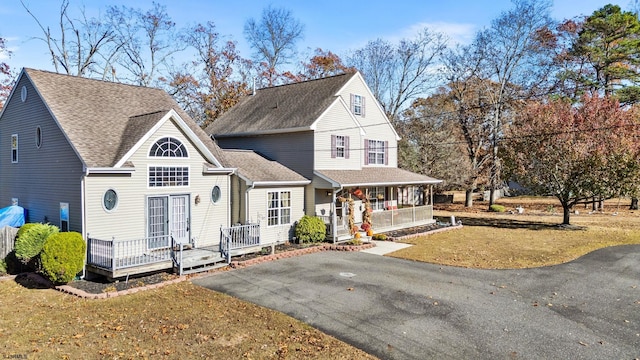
[
  {"x": 238, "y": 237},
  {"x": 401, "y": 217},
  {"x": 118, "y": 254}
]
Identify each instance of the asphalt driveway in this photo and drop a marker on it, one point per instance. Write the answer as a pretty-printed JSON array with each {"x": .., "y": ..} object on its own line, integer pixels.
[{"x": 398, "y": 309}]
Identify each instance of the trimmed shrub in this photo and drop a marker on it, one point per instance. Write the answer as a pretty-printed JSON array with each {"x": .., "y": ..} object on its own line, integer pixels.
[
  {"x": 11, "y": 264},
  {"x": 497, "y": 208},
  {"x": 310, "y": 229},
  {"x": 62, "y": 256},
  {"x": 29, "y": 241},
  {"x": 381, "y": 237}
]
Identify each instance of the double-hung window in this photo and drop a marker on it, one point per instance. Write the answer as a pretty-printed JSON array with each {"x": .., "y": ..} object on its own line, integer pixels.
[
  {"x": 278, "y": 208},
  {"x": 340, "y": 146},
  {"x": 357, "y": 104},
  {"x": 376, "y": 152},
  {"x": 376, "y": 198},
  {"x": 14, "y": 148}
]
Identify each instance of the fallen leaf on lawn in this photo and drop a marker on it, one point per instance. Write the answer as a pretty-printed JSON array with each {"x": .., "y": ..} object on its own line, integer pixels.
[
  {"x": 350, "y": 289},
  {"x": 78, "y": 336},
  {"x": 583, "y": 343}
]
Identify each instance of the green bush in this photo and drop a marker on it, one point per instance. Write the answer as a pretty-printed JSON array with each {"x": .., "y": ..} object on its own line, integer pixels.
[
  {"x": 381, "y": 237},
  {"x": 29, "y": 241},
  {"x": 497, "y": 208},
  {"x": 310, "y": 229},
  {"x": 62, "y": 256}
]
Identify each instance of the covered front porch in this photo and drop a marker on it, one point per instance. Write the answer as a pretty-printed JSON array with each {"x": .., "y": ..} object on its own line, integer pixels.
[
  {"x": 117, "y": 258},
  {"x": 396, "y": 199}
]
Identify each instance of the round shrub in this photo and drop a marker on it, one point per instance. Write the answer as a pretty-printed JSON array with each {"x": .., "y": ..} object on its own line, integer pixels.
[
  {"x": 62, "y": 256},
  {"x": 381, "y": 237},
  {"x": 310, "y": 229},
  {"x": 497, "y": 208},
  {"x": 29, "y": 241}
]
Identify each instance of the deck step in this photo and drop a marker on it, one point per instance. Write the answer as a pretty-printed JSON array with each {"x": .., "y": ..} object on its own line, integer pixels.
[
  {"x": 200, "y": 260},
  {"x": 187, "y": 271}
]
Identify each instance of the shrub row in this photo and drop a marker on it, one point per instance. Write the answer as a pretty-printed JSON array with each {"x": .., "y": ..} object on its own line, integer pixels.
[{"x": 42, "y": 248}]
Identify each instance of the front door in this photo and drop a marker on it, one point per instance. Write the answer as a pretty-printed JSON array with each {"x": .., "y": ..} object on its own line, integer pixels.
[{"x": 168, "y": 215}]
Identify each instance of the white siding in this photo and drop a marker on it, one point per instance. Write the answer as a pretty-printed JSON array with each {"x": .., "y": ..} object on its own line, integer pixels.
[
  {"x": 337, "y": 121},
  {"x": 375, "y": 122},
  {"x": 129, "y": 219},
  {"x": 258, "y": 209}
]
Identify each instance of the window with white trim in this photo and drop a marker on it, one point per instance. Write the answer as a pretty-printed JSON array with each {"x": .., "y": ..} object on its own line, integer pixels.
[
  {"x": 376, "y": 152},
  {"x": 357, "y": 105},
  {"x": 14, "y": 148},
  {"x": 278, "y": 208},
  {"x": 163, "y": 176},
  {"x": 340, "y": 146},
  {"x": 168, "y": 147},
  {"x": 376, "y": 198}
]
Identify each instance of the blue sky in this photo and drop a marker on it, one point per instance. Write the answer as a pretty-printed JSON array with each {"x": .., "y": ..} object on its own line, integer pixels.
[{"x": 338, "y": 26}]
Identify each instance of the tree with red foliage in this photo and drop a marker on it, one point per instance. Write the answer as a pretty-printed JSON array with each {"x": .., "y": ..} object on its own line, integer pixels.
[
  {"x": 575, "y": 153},
  {"x": 6, "y": 80}
]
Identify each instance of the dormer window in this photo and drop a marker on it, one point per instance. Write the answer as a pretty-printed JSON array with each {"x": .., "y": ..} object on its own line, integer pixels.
[
  {"x": 357, "y": 104},
  {"x": 168, "y": 147}
]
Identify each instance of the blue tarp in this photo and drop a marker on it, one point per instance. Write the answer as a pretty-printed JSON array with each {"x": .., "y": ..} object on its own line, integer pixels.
[{"x": 12, "y": 216}]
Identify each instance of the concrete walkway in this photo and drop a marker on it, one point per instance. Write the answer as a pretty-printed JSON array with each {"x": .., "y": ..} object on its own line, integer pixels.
[{"x": 385, "y": 247}]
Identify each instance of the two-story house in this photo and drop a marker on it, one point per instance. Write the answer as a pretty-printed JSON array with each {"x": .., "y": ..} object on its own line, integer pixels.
[
  {"x": 130, "y": 170},
  {"x": 333, "y": 132}
]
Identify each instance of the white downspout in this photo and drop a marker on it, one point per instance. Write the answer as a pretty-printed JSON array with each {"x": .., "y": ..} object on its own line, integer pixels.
[
  {"x": 246, "y": 203},
  {"x": 83, "y": 216}
]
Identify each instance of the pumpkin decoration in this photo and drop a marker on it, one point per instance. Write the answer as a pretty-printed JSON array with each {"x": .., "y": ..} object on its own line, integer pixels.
[{"x": 370, "y": 232}]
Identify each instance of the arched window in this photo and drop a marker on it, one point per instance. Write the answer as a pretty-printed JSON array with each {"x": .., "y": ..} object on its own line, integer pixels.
[{"x": 168, "y": 147}]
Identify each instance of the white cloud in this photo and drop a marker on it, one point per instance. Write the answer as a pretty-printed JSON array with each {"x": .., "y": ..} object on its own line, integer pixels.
[{"x": 456, "y": 33}]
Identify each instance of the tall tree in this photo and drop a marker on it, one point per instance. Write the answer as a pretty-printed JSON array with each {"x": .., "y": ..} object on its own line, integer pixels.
[
  {"x": 430, "y": 141},
  {"x": 575, "y": 152},
  {"x": 320, "y": 65},
  {"x": 399, "y": 73},
  {"x": 517, "y": 58},
  {"x": 80, "y": 45},
  {"x": 148, "y": 42},
  {"x": 5, "y": 73},
  {"x": 214, "y": 81},
  {"x": 608, "y": 43},
  {"x": 273, "y": 38},
  {"x": 471, "y": 109}
]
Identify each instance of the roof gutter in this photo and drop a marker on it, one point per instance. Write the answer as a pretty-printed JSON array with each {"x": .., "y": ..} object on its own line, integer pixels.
[
  {"x": 108, "y": 170},
  {"x": 217, "y": 170},
  {"x": 395, "y": 183}
]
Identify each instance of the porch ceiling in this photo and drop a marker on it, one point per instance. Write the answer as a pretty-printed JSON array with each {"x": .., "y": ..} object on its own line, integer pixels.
[{"x": 374, "y": 176}]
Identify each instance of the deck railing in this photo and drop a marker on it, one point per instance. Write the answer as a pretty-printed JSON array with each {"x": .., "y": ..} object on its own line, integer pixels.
[
  {"x": 401, "y": 217},
  {"x": 238, "y": 237},
  {"x": 118, "y": 254}
]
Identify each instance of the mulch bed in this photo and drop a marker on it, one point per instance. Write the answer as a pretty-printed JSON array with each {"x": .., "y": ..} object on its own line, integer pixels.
[{"x": 101, "y": 285}]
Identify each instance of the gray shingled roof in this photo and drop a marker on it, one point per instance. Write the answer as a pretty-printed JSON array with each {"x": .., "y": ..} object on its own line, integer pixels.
[
  {"x": 104, "y": 119},
  {"x": 371, "y": 176},
  {"x": 256, "y": 168},
  {"x": 283, "y": 107}
]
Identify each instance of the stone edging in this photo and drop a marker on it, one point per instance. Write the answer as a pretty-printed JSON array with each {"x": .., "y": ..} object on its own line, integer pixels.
[
  {"x": 298, "y": 252},
  {"x": 448, "y": 228},
  {"x": 67, "y": 289}
]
